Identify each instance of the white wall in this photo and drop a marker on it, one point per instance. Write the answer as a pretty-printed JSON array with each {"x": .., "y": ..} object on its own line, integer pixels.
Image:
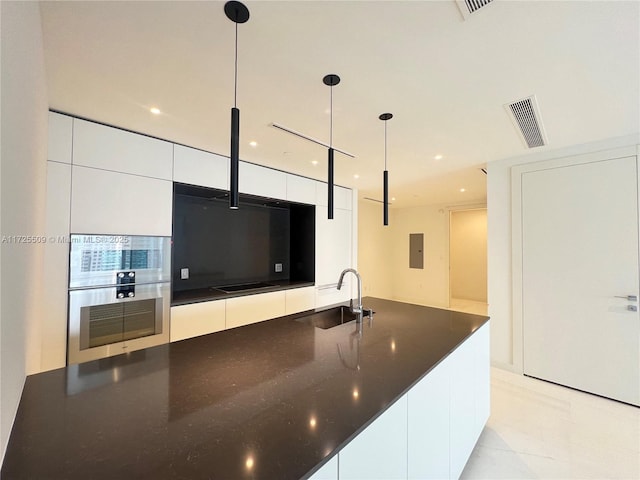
[
  {"x": 500, "y": 275},
  {"x": 384, "y": 253},
  {"x": 22, "y": 199},
  {"x": 374, "y": 251},
  {"x": 429, "y": 285},
  {"x": 468, "y": 254}
]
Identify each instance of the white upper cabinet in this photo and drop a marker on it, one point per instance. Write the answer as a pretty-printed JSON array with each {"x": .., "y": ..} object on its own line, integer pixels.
[
  {"x": 200, "y": 168},
  {"x": 60, "y": 137},
  {"x": 104, "y": 202},
  {"x": 109, "y": 148},
  {"x": 333, "y": 245},
  {"x": 262, "y": 181},
  {"x": 301, "y": 189},
  {"x": 341, "y": 196}
]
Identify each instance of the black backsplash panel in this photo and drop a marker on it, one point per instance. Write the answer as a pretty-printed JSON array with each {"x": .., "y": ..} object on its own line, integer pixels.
[{"x": 222, "y": 247}]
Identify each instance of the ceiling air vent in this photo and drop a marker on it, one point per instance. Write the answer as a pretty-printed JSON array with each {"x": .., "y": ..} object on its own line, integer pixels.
[
  {"x": 525, "y": 116},
  {"x": 467, "y": 7}
]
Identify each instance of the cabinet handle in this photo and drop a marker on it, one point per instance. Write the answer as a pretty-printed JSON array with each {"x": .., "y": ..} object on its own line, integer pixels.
[
  {"x": 630, "y": 298},
  {"x": 328, "y": 286}
]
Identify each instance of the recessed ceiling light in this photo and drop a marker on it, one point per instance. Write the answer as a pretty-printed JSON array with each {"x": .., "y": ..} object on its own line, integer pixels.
[
  {"x": 463, "y": 189},
  {"x": 155, "y": 110},
  {"x": 393, "y": 199},
  {"x": 314, "y": 162},
  {"x": 254, "y": 144},
  {"x": 356, "y": 176},
  {"x": 438, "y": 157}
]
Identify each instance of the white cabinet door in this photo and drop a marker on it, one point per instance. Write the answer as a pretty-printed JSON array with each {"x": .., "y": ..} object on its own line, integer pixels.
[
  {"x": 329, "y": 471},
  {"x": 262, "y": 181},
  {"x": 301, "y": 189},
  {"x": 341, "y": 196},
  {"x": 333, "y": 254},
  {"x": 482, "y": 367},
  {"x": 197, "y": 319},
  {"x": 60, "y": 137},
  {"x": 109, "y": 148},
  {"x": 333, "y": 245},
  {"x": 299, "y": 300},
  {"x": 462, "y": 405},
  {"x": 56, "y": 266},
  {"x": 428, "y": 420},
  {"x": 105, "y": 202},
  {"x": 379, "y": 451},
  {"x": 200, "y": 168},
  {"x": 254, "y": 308}
]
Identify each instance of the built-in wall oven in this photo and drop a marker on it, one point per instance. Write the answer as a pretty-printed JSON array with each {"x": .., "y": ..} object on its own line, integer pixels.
[{"x": 119, "y": 295}]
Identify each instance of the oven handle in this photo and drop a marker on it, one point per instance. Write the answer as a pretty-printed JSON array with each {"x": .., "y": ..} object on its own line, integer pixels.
[{"x": 113, "y": 285}]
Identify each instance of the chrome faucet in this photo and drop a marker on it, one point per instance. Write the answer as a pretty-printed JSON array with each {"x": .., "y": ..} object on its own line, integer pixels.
[{"x": 358, "y": 308}]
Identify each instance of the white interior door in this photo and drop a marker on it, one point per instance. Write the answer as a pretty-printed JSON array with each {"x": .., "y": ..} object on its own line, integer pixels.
[{"x": 580, "y": 256}]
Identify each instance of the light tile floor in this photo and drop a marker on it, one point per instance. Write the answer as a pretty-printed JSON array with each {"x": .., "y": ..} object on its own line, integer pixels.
[{"x": 541, "y": 430}]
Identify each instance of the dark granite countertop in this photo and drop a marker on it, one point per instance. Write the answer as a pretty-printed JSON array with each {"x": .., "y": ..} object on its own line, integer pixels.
[
  {"x": 184, "y": 297},
  {"x": 272, "y": 400}
]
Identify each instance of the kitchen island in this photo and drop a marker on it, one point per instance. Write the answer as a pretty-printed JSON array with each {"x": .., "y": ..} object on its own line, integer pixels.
[{"x": 278, "y": 399}]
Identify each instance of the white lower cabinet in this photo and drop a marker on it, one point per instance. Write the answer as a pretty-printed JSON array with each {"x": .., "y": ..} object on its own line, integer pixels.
[
  {"x": 196, "y": 319},
  {"x": 428, "y": 418},
  {"x": 462, "y": 404},
  {"x": 469, "y": 397},
  {"x": 379, "y": 451},
  {"x": 482, "y": 374},
  {"x": 430, "y": 432},
  {"x": 299, "y": 300},
  {"x": 254, "y": 308},
  {"x": 329, "y": 471},
  {"x": 104, "y": 202}
]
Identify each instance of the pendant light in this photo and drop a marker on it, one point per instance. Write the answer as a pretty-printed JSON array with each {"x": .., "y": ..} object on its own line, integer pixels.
[
  {"x": 331, "y": 80},
  {"x": 385, "y": 176},
  {"x": 237, "y": 13}
]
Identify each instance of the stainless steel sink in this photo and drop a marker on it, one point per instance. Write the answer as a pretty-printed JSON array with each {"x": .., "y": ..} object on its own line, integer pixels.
[{"x": 331, "y": 317}]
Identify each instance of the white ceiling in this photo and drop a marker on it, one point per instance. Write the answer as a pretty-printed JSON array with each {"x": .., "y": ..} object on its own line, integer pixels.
[{"x": 444, "y": 79}]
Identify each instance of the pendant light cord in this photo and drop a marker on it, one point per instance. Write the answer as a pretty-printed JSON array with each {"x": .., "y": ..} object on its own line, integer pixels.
[
  {"x": 331, "y": 119},
  {"x": 235, "y": 85}
]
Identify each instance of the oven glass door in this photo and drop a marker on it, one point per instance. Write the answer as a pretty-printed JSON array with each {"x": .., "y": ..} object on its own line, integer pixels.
[
  {"x": 102, "y": 325},
  {"x": 116, "y": 322}
]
